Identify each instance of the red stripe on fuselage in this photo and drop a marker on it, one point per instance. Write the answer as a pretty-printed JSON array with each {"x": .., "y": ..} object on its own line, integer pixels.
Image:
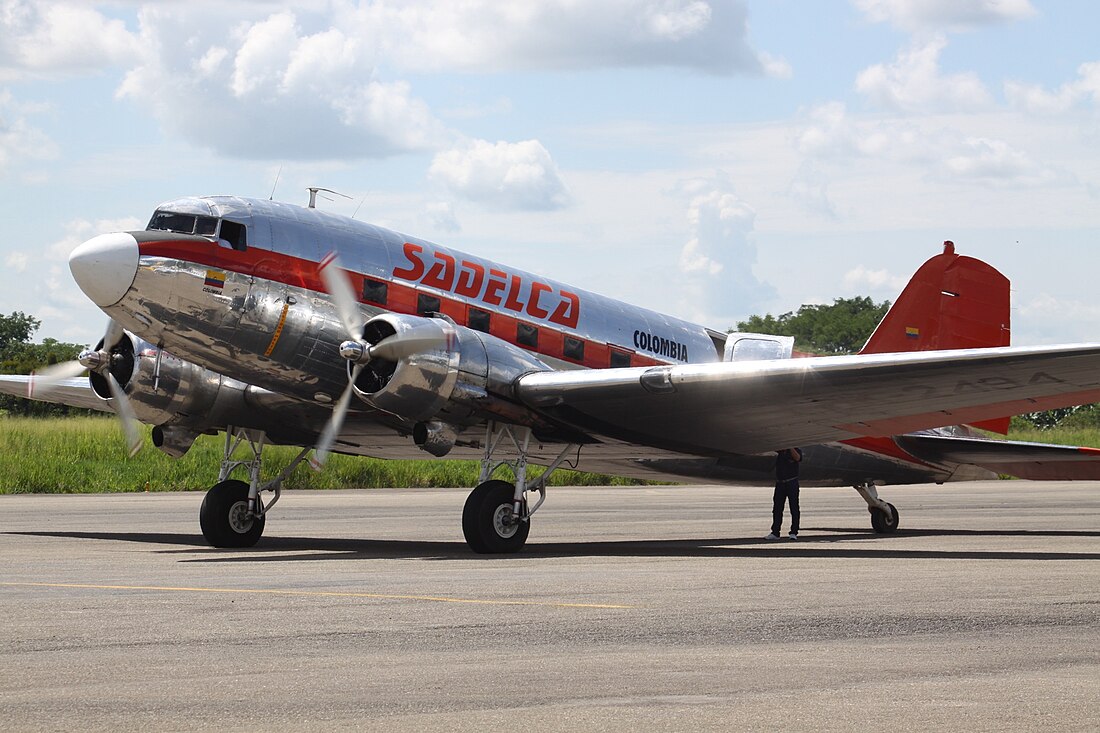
[{"x": 401, "y": 298}]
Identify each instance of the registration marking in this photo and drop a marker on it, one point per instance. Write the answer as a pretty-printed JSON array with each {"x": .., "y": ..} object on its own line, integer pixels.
[{"x": 318, "y": 594}]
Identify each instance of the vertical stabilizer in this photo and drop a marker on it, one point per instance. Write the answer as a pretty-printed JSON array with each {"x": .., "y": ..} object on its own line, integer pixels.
[{"x": 952, "y": 302}]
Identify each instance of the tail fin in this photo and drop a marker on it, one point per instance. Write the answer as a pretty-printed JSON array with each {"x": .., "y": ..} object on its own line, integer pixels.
[{"x": 952, "y": 302}]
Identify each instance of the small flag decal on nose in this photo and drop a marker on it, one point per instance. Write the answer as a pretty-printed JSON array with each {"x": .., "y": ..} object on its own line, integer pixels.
[
  {"x": 215, "y": 279},
  {"x": 913, "y": 333}
]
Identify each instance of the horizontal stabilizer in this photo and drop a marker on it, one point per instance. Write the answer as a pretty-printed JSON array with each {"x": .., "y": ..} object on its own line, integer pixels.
[{"x": 1035, "y": 461}]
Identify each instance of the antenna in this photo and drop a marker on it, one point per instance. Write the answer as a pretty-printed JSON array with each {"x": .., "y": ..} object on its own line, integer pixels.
[
  {"x": 277, "y": 176},
  {"x": 361, "y": 202},
  {"x": 313, "y": 195}
]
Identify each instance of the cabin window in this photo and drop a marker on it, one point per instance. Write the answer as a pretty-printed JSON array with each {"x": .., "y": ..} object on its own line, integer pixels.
[
  {"x": 478, "y": 320},
  {"x": 375, "y": 291},
  {"x": 619, "y": 359},
  {"x": 574, "y": 349},
  {"x": 527, "y": 335},
  {"x": 233, "y": 233},
  {"x": 426, "y": 304}
]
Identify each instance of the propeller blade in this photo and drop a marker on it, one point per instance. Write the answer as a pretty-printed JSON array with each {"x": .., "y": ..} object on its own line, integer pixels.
[
  {"x": 332, "y": 429},
  {"x": 125, "y": 413},
  {"x": 343, "y": 297},
  {"x": 44, "y": 381},
  {"x": 414, "y": 341},
  {"x": 113, "y": 335}
]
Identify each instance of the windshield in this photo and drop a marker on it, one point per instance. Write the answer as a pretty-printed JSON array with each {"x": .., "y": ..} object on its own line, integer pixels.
[{"x": 170, "y": 221}]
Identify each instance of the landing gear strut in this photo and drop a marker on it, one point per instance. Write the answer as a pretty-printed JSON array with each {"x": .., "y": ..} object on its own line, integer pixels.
[
  {"x": 233, "y": 513},
  {"x": 884, "y": 515},
  {"x": 497, "y": 517}
]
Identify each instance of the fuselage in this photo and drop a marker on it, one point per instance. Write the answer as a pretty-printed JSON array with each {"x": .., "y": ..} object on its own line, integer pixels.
[{"x": 233, "y": 284}]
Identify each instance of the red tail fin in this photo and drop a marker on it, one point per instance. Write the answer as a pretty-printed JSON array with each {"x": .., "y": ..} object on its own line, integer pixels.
[{"x": 952, "y": 302}]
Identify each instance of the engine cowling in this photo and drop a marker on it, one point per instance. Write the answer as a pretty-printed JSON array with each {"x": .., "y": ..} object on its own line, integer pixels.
[
  {"x": 466, "y": 375},
  {"x": 181, "y": 400}
]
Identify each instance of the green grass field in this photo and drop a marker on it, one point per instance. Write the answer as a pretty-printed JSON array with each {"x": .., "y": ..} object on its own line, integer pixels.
[{"x": 87, "y": 455}]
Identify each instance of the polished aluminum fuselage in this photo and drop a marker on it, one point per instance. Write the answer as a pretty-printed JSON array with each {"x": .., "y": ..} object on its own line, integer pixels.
[{"x": 260, "y": 314}]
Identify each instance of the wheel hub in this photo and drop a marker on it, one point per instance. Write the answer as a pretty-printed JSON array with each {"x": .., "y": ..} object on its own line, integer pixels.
[
  {"x": 240, "y": 519},
  {"x": 504, "y": 521}
]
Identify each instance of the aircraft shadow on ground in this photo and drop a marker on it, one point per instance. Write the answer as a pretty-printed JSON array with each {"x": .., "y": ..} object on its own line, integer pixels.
[{"x": 833, "y": 543}]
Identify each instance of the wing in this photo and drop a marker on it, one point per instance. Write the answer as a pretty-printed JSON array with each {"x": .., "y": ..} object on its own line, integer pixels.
[
  {"x": 750, "y": 407},
  {"x": 76, "y": 392},
  {"x": 1036, "y": 461}
]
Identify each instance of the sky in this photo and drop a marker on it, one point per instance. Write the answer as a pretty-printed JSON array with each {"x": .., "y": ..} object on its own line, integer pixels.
[{"x": 711, "y": 159}]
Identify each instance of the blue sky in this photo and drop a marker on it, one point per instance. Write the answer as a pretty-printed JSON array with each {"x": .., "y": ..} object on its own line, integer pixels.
[{"x": 711, "y": 159}]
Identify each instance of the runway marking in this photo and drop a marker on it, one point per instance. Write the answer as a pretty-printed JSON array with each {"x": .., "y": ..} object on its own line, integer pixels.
[{"x": 320, "y": 593}]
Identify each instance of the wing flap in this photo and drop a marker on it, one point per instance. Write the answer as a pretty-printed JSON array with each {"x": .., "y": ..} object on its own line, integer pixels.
[{"x": 750, "y": 407}]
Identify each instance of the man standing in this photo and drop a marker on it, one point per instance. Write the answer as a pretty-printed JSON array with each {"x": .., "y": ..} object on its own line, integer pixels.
[{"x": 786, "y": 490}]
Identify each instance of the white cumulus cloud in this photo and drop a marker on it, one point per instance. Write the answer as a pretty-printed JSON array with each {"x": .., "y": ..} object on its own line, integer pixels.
[
  {"x": 1034, "y": 98},
  {"x": 944, "y": 15},
  {"x": 504, "y": 175},
  {"x": 59, "y": 38},
  {"x": 914, "y": 82},
  {"x": 290, "y": 85},
  {"x": 19, "y": 139}
]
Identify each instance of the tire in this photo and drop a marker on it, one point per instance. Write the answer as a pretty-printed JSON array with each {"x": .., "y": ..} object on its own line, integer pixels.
[
  {"x": 487, "y": 504},
  {"x": 222, "y": 516},
  {"x": 881, "y": 524}
]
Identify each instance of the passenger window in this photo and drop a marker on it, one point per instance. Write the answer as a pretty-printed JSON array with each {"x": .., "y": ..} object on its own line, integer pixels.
[
  {"x": 426, "y": 304},
  {"x": 375, "y": 291},
  {"x": 574, "y": 349},
  {"x": 234, "y": 233},
  {"x": 478, "y": 320},
  {"x": 527, "y": 335},
  {"x": 619, "y": 359}
]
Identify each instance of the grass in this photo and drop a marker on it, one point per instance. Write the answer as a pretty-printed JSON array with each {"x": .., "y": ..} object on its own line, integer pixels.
[{"x": 86, "y": 455}]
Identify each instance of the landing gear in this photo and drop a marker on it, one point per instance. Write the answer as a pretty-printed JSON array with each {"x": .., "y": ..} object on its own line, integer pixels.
[
  {"x": 225, "y": 519},
  {"x": 496, "y": 517},
  {"x": 233, "y": 514},
  {"x": 884, "y": 515},
  {"x": 489, "y": 521}
]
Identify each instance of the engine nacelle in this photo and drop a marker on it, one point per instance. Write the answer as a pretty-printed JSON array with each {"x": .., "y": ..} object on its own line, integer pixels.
[
  {"x": 182, "y": 400},
  {"x": 466, "y": 374}
]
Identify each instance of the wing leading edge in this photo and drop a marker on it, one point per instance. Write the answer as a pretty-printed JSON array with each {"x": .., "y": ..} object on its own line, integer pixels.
[{"x": 750, "y": 407}]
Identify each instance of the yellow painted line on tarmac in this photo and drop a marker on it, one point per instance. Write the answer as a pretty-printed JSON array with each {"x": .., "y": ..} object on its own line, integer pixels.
[{"x": 318, "y": 594}]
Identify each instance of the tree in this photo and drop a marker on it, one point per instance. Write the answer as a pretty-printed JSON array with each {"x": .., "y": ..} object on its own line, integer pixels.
[
  {"x": 840, "y": 328},
  {"x": 19, "y": 356}
]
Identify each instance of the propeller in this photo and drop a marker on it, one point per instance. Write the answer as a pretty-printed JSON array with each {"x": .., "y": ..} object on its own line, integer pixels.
[
  {"x": 98, "y": 361},
  {"x": 359, "y": 351}
]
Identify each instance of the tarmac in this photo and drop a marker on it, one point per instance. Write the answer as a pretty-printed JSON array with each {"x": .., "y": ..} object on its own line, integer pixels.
[{"x": 647, "y": 608}]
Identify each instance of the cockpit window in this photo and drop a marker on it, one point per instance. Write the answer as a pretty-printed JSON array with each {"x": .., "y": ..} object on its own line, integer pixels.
[{"x": 169, "y": 221}]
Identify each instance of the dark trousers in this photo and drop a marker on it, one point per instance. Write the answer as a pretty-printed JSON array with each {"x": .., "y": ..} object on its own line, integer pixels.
[{"x": 784, "y": 492}]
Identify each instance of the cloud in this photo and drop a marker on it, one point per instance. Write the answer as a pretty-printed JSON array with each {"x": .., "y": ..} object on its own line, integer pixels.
[
  {"x": 998, "y": 162},
  {"x": 717, "y": 261},
  {"x": 914, "y": 83},
  {"x": 17, "y": 261},
  {"x": 78, "y": 231},
  {"x": 944, "y": 15},
  {"x": 441, "y": 216},
  {"x": 489, "y": 36},
  {"x": 59, "y": 39},
  {"x": 1034, "y": 98},
  {"x": 519, "y": 176},
  {"x": 18, "y": 139},
  {"x": 860, "y": 278},
  {"x": 273, "y": 88}
]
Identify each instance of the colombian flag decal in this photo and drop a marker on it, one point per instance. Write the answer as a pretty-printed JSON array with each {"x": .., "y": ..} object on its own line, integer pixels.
[
  {"x": 215, "y": 279},
  {"x": 912, "y": 333}
]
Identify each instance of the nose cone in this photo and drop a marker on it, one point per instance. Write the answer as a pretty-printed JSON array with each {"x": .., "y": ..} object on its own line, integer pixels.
[{"x": 104, "y": 267}]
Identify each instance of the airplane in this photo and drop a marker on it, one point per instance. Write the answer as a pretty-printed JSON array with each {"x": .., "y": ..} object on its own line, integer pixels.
[{"x": 281, "y": 324}]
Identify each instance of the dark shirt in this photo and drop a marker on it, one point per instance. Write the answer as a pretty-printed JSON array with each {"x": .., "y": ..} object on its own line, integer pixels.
[{"x": 786, "y": 468}]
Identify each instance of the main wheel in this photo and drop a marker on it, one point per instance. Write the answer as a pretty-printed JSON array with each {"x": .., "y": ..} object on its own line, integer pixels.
[
  {"x": 881, "y": 524},
  {"x": 224, "y": 516},
  {"x": 489, "y": 522}
]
